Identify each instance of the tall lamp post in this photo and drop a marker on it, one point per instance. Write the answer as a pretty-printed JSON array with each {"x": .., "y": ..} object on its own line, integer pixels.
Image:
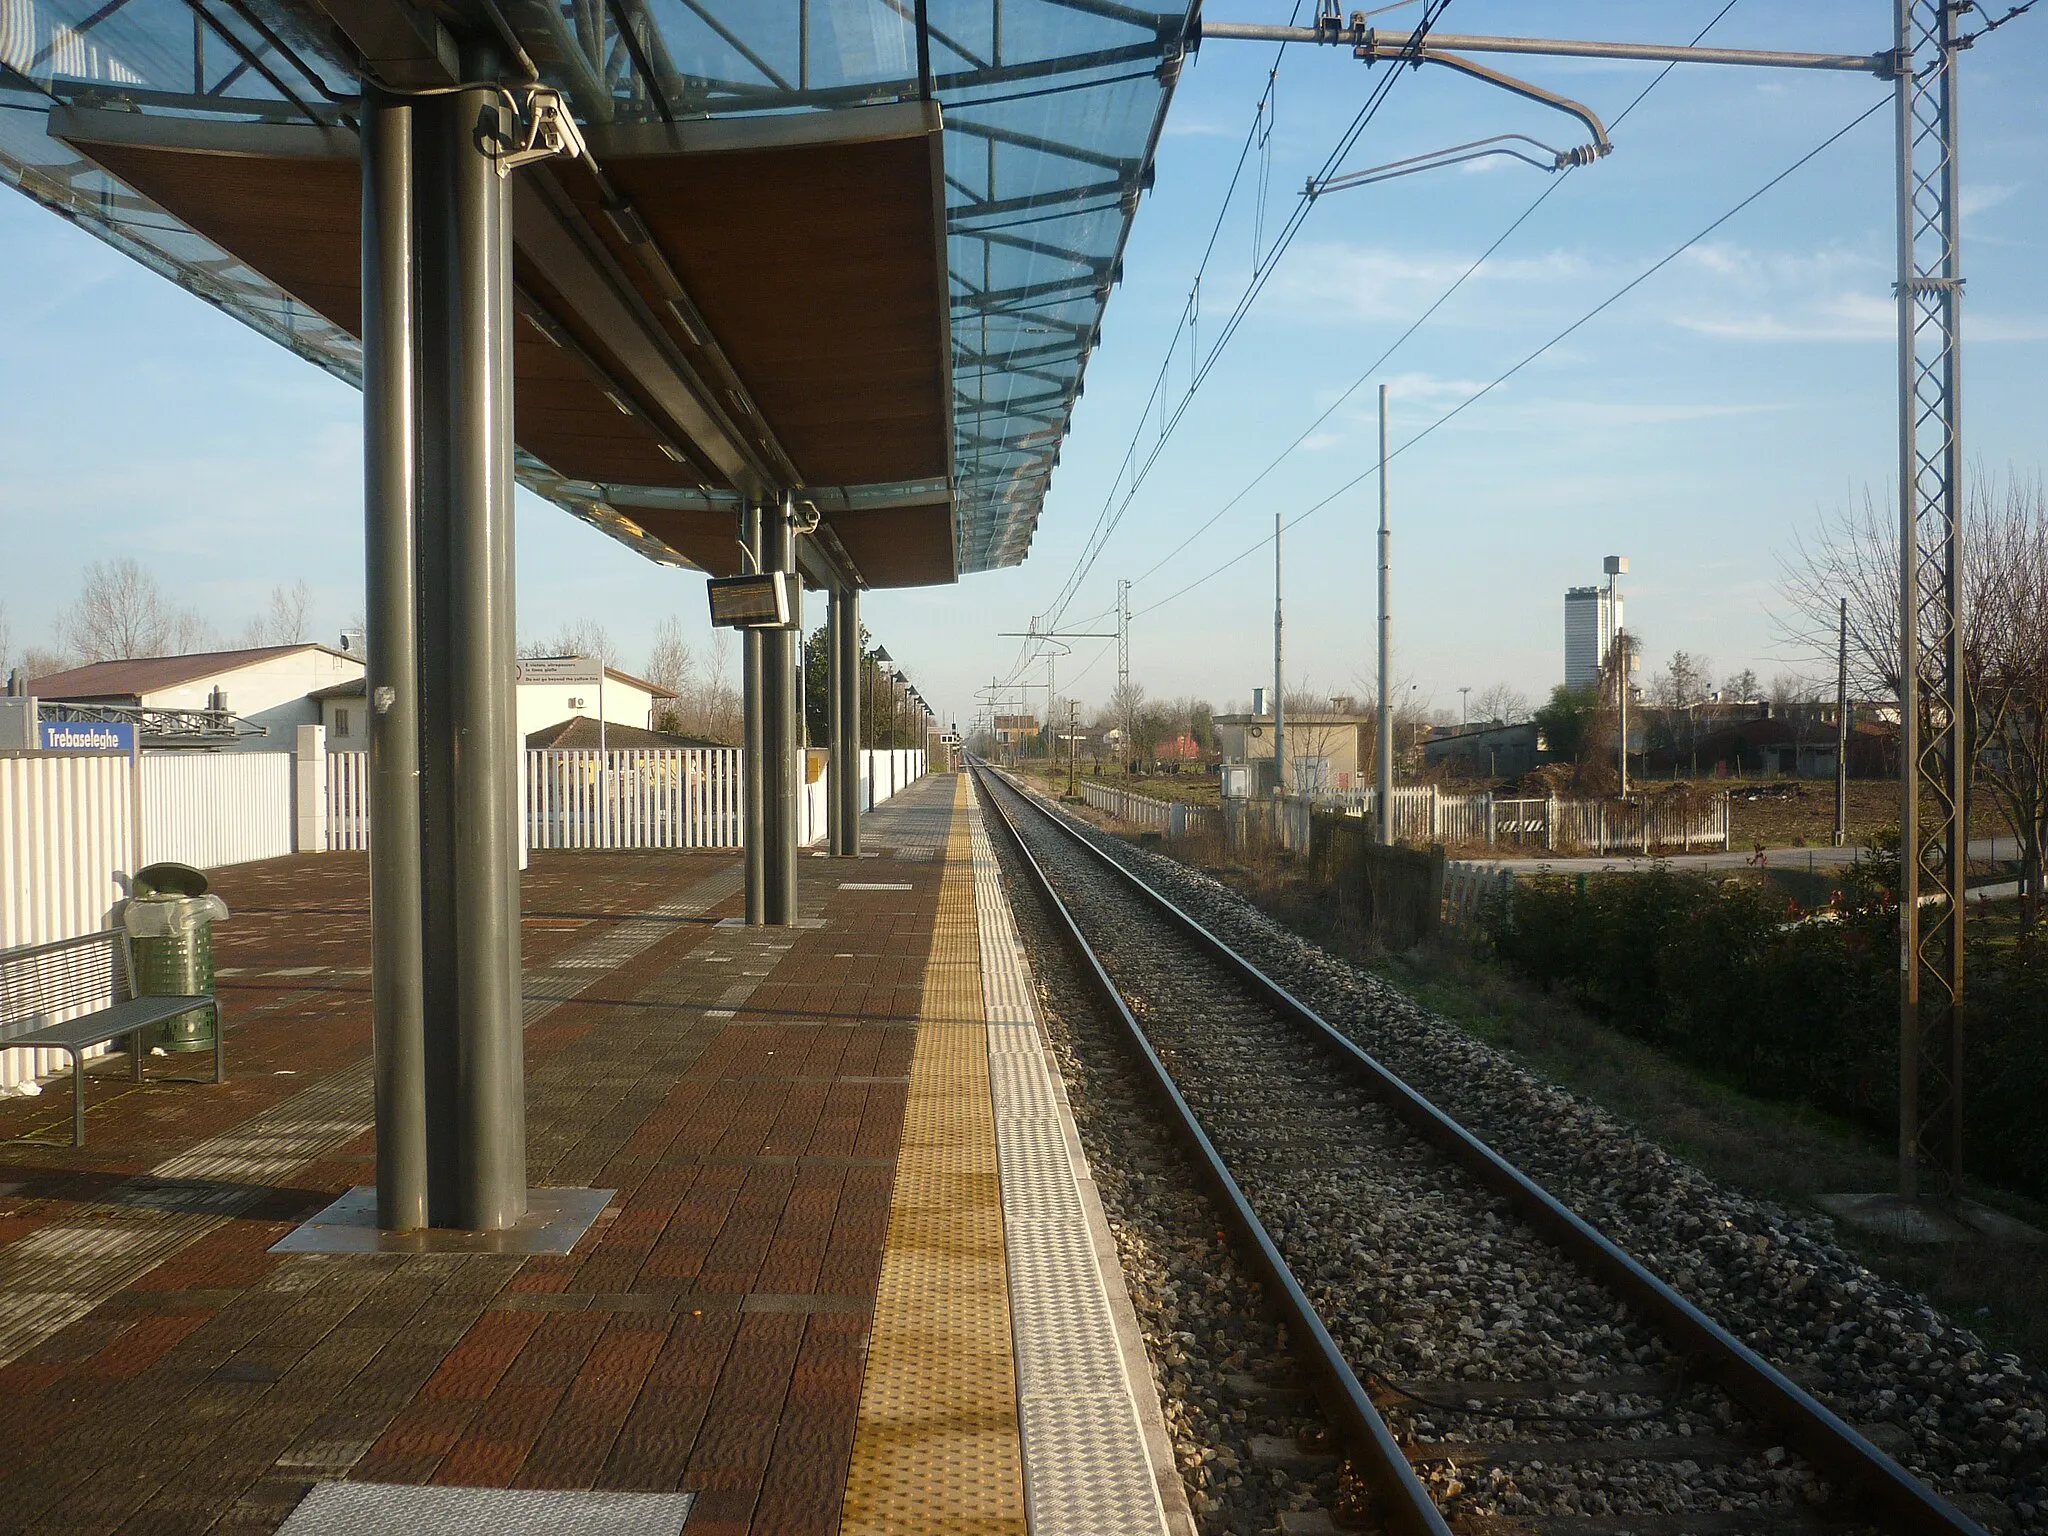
[{"x": 883, "y": 666}]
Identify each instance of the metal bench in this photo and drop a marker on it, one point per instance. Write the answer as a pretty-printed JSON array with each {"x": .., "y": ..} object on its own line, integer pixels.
[{"x": 40, "y": 983}]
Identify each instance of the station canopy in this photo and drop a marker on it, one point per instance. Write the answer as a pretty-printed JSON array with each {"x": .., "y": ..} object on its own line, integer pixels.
[{"x": 814, "y": 248}]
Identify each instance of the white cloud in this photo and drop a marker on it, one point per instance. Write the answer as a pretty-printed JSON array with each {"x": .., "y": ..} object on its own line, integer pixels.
[
  {"x": 1648, "y": 413},
  {"x": 1739, "y": 294},
  {"x": 1428, "y": 386},
  {"x": 1976, "y": 199},
  {"x": 1381, "y": 283},
  {"x": 1195, "y": 128},
  {"x": 1832, "y": 317}
]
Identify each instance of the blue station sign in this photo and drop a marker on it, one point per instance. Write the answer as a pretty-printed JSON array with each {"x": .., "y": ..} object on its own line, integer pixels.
[{"x": 88, "y": 736}]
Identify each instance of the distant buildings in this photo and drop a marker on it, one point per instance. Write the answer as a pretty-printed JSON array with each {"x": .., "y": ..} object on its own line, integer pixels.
[
  {"x": 276, "y": 688},
  {"x": 1016, "y": 730},
  {"x": 1490, "y": 751},
  {"x": 1324, "y": 748},
  {"x": 542, "y": 703},
  {"x": 1591, "y": 618}
]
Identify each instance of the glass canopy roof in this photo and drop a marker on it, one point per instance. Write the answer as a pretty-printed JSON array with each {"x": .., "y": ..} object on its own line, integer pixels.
[{"x": 1052, "y": 111}]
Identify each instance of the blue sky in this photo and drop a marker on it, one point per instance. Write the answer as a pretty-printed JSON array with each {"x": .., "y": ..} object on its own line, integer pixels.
[{"x": 1694, "y": 426}]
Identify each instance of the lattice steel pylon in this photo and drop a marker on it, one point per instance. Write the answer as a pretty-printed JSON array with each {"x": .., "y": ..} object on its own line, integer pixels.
[
  {"x": 1123, "y": 636},
  {"x": 1934, "y": 743}
]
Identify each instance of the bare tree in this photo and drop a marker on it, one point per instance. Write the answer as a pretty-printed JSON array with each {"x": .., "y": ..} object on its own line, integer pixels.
[
  {"x": 1502, "y": 704},
  {"x": 1854, "y": 555},
  {"x": 1125, "y": 701},
  {"x": 708, "y": 704},
  {"x": 1313, "y": 736},
  {"x": 1799, "y": 702},
  {"x": 2008, "y": 645},
  {"x": 1195, "y": 718},
  {"x": 1742, "y": 687},
  {"x": 122, "y": 612},
  {"x": 37, "y": 661},
  {"x": 1150, "y": 725},
  {"x": 1685, "y": 681},
  {"x": 586, "y": 637},
  {"x": 285, "y": 621},
  {"x": 670, "y": 665},
  {"x": 1410, "y": 714},
  {"x": 1678, "y": 692},
  {"x": 6, "y": 641}
]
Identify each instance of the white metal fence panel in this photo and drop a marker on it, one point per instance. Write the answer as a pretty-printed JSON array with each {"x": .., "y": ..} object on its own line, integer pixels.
[
  {"x": 1124, "y": 805},
  {"x": 639, "y": 798},
  {"x": 348, "y": 802},
  {"x": 1177, "y": 817},
  {"x": 68, "y": 842},
  {"x": 884, "y": 772},
  {"x": 1424, "y": 814},
  {"x": 213, "y": 808},
  {"x": 1599, "y": 826}
]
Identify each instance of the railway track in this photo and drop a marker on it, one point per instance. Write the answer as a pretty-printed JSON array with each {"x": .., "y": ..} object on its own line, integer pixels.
[{"x": 1490, "y": 1361}]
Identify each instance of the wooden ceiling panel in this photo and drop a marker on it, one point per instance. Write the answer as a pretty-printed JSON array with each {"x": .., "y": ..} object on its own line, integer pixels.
[
  {"x": 295, "y": 220},
  {"x": 820, "y": 268},
  {"x": 813, "y": 248},
  {"x": 708, "y": 540},
  {"x": 898, "y": 546}
]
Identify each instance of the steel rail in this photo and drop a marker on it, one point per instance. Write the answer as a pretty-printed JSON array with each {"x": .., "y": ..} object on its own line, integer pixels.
[
  {"x": 1886, "y": 1490},
  {"x": 1398, "y": 1495}
]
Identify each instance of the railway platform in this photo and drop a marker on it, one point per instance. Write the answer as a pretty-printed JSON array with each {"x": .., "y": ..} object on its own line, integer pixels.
[{"x": 853, "y": 1276}]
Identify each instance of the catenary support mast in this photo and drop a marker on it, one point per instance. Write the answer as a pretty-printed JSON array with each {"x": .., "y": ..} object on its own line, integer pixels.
[
  {"x": 1934, "y": 746},
  {"x": 1383, "y": 780}
]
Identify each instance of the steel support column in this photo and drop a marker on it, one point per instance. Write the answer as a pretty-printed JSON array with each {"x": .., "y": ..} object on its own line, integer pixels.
[
  {"x": 846, "y": 718},
  {"x": 390, "y": 467},
  {"x": 753, "y": 839},
  {"x": 782, "y": 785},
  {"x": 476, "y": 1109},
  {"x": 437, "y": 269},
  {"x": 1934, "y": 744}
]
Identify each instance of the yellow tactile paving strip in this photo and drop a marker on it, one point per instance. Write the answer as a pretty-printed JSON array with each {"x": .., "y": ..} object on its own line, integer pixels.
[{"x": 938, "y": 1448}]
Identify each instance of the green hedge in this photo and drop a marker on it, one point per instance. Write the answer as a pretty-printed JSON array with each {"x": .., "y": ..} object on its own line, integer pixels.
[{"x": 1720, "y": 974}]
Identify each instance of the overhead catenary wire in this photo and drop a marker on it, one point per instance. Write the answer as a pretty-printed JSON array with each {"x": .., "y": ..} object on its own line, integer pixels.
[
  {"x": 1266, "y": 96},
  {"x": 1113, "y": 511},
  {"x": 1027, "y": 652},
  {"x": 1420, "y": 320},
  {"x": 1992, "y": 26},
  {"x": 1481, "y": 393}
]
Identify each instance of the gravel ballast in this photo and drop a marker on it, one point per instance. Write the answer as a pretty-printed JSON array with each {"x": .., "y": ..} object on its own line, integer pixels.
[
  {"x": 1429, "y": 1283},
  {"x": 1224, "y": 1372}
]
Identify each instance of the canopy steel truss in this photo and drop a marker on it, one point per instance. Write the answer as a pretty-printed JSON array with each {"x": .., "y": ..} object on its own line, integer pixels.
[{"x": 1053, "y": 110}]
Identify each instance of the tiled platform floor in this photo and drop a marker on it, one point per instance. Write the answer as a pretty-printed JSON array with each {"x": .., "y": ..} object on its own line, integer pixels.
[{"x": 743, "y": 1090}]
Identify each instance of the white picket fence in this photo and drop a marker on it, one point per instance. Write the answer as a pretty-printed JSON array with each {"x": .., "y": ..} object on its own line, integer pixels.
[
  {"x": 1424, "y": 814},
  {"x": 1174, "y": 817},
  {"x": 659, "y": 798},
  {"x": 75, "y": 826},
  {"x": 690, "y": 797}
]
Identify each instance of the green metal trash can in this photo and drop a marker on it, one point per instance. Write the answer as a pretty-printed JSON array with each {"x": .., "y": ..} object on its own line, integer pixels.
[{"x": 169, "y": 921}]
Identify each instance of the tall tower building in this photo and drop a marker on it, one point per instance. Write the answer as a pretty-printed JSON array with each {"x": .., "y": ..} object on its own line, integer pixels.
[{"x": 1592, "y": 615}]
